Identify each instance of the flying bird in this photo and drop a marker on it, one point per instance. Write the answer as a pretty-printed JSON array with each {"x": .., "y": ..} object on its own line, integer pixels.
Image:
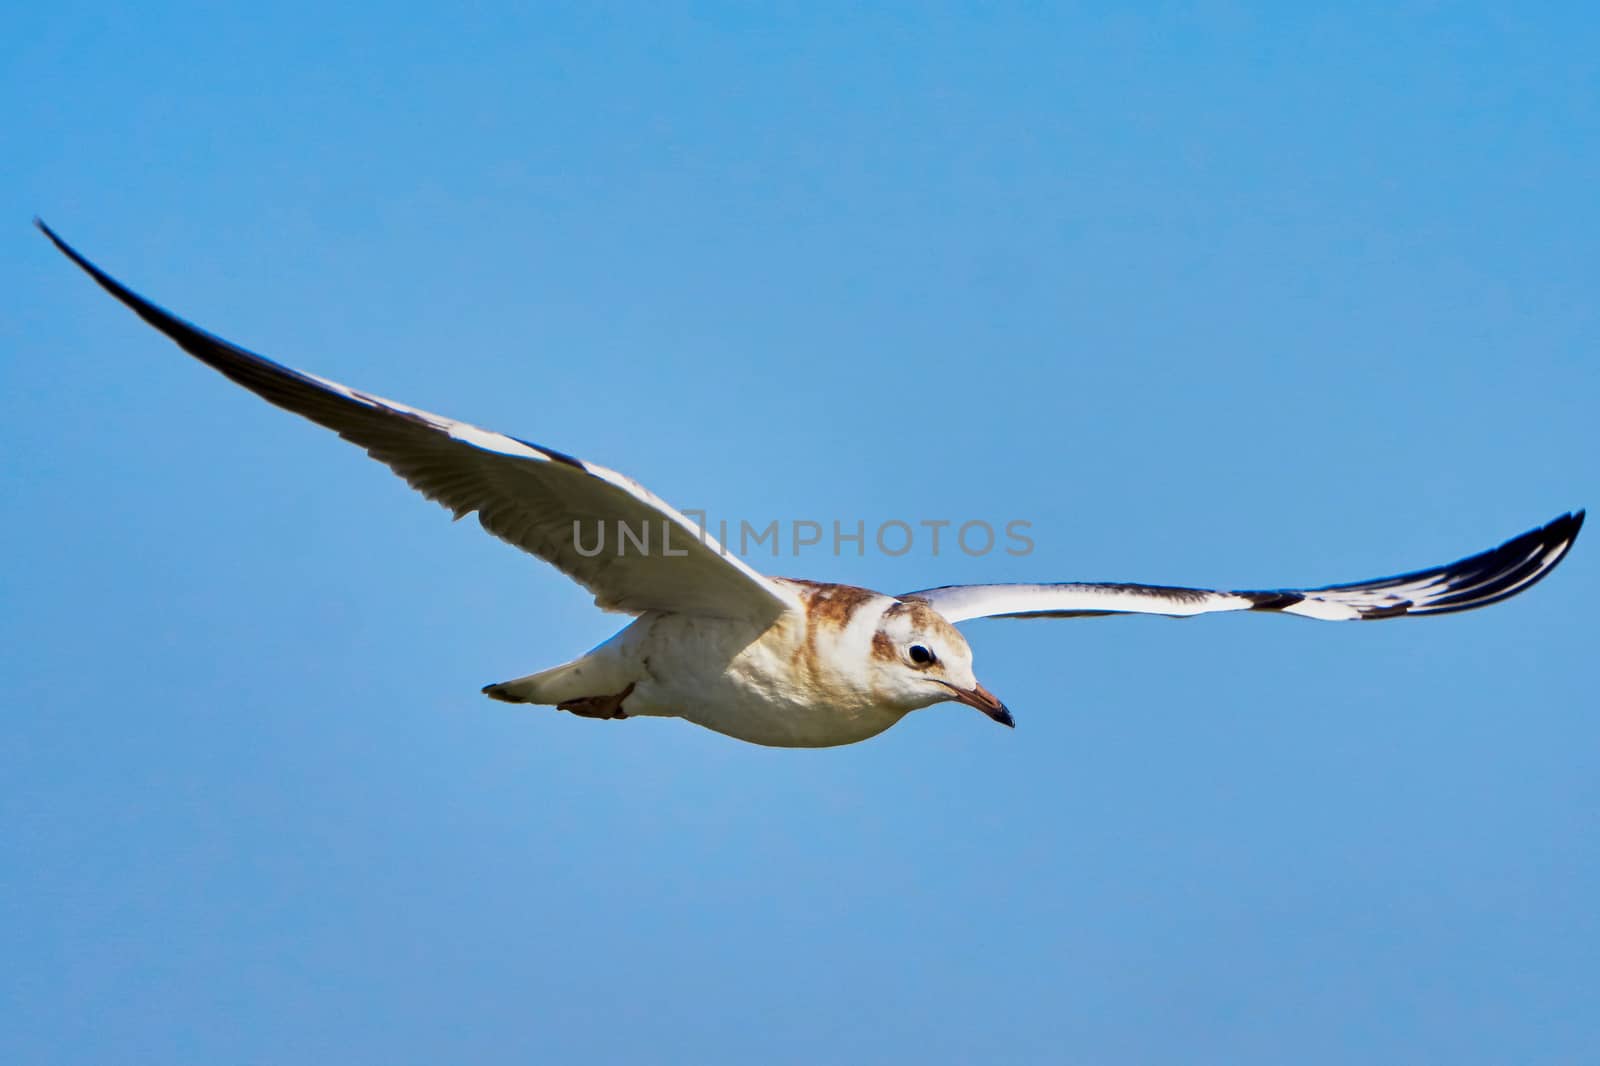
[{"x": 768, "y": 660}]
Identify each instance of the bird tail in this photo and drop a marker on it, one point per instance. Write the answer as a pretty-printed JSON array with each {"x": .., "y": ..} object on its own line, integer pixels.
[{"x": 588, "y": 676}]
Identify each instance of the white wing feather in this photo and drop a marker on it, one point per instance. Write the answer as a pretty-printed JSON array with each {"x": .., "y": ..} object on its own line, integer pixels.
[
  {"x": 1476, "y": 581},
  {"x": 527, "y": 495}
]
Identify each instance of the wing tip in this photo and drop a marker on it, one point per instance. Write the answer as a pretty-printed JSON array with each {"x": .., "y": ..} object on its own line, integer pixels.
[
  {"x": 156, "y": 316},
  {"x": 56, "y": 239},
  {"x": 68, "y": 250},
  {"x": 1518, "y": 565},
  {"x": 1559, "y": 533}
]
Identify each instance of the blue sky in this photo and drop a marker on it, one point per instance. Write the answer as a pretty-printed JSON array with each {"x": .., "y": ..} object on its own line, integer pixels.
[{"x": 1225, "y": 294}]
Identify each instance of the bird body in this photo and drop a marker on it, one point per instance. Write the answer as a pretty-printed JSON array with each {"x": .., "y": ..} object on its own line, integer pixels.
[
  {"x": 818, "y": 676},
  {"x": 773, "y": 661}
]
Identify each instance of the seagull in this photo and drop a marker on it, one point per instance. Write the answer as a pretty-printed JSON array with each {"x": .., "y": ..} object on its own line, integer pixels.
[{"x": 768, "y": 660}]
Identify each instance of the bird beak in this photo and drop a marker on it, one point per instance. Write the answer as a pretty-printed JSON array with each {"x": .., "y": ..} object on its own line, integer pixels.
[{"x": 984, "y": 700}]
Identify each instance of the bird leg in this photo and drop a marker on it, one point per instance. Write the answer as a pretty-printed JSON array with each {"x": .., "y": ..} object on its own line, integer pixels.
[{"x": 598, "y": 706}]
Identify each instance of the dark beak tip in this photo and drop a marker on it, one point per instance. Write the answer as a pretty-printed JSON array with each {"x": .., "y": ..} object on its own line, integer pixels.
[{"x": 984, "y": 700}]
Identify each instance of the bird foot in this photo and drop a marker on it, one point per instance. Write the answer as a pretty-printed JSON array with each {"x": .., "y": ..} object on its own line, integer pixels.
[{"x": 598, "y": 706}]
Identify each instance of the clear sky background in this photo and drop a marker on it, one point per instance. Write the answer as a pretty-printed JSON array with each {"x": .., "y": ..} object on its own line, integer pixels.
[{"x": 1225, "y": 294}]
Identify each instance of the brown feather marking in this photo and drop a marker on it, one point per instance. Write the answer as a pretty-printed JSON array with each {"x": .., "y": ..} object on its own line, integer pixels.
[
  {"x": 830, "y": 603},
  {"x": 827, "y": 605}
]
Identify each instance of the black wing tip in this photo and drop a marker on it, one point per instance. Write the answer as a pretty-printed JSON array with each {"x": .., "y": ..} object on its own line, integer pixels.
[
  {"x": 1512, "y": 568},
  {"x": 61, "y": 245},
  {"x": 138, "y": 303},
  {"x": 1566, "y": 528},
  {"x": 68, "y": 250},
  {"x": 1562, "y": 529},
  {"x": 1560, "y": 532}
]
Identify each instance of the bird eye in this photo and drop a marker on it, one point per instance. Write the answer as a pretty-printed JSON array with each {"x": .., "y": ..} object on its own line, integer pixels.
[{"x": 921, "y": 655}]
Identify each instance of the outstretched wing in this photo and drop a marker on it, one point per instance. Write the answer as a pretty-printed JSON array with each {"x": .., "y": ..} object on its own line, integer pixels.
[
  {"x": 536, "y": 498},
  {"x": 1476, "y": 581}
]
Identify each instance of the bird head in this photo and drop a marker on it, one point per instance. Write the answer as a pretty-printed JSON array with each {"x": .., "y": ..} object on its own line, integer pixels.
[{"x": 919, "y": 659}]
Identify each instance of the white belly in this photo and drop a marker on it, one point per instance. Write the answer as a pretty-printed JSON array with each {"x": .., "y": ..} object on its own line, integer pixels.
[{"x": 762, "y": 686}]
